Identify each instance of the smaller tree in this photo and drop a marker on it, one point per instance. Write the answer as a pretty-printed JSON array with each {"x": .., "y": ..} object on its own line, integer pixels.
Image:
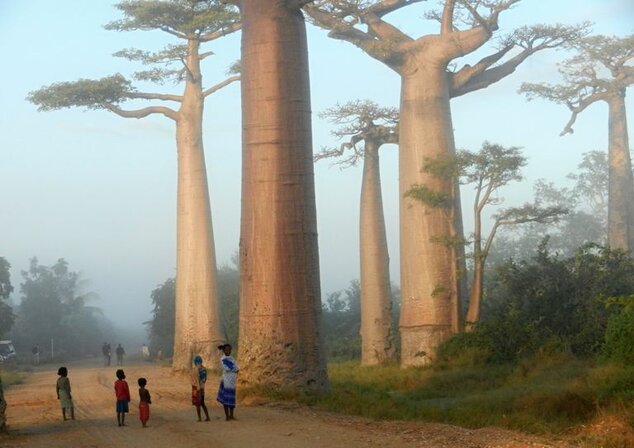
[
  {"x": 490, "y": 169},
  {"x": 366, "y": 127},
  {"x": 6, "y": 312}
]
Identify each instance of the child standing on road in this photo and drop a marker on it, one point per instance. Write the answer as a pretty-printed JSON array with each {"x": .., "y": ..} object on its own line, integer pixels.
[
  {"x": 63, "y": 393},
  {"x": 144, "y": 402},
  {"x": 122, "y": 391},
  {"x": 227, "y": 389},
  {"x": 198, "y": 380}
]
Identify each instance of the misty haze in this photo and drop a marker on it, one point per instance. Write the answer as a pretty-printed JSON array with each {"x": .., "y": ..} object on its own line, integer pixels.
[{"x": 317, "y": 223}]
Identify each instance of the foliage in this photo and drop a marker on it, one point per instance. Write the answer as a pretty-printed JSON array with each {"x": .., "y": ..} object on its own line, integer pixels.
[
  {"x": 601, "y": 68},
  {"x": 52, "y": 309},
  {"x": 187, "y": 20},
  {"x": 161, "y": 326},
  {"x": 545, "y": 395},
  {"x": 586, "y": 221},
  {"x": 360, "y": 123},
  {"x": 341, "y": 321},
  {"x": 229, "y": 297},
  {"x": 6, "y": 312},
  {"x": 89, "y": 93},
  {"x": 548, "y": 303},
  {"x": 619, "y": 333}
]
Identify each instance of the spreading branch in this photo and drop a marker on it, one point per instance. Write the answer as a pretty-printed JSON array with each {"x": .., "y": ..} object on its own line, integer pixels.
[
  {"x": 141, "y": 113},
  {"x": 580, "y": 107},
  {"x": 155, "y": 96},
  {"x": 220, "y": 85}
]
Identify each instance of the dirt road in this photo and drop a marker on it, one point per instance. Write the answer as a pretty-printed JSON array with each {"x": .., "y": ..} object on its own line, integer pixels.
[{"x": 35, "y": 420}]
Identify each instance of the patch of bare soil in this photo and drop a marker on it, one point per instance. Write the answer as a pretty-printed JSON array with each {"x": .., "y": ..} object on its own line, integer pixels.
[{"x": 35, "y": 420}]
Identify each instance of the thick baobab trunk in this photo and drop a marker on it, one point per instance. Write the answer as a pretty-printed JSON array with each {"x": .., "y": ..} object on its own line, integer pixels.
[
  {"x": 3, "y": 408},
  {"x": 621, "y": 186},
  {"x": 429, "y": 277},
  {"x": 280, "y": 305},
  {"x": 198, "y": 328},
  {"x": 377, "y": 338}
]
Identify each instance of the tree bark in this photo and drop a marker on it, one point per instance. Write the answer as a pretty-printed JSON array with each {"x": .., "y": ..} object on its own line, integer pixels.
[
  {"x": 621, "y": 185},
  {"x": 377, "y": 336},
  {"x": 429, "y": 271},
  {"x": 198, "y": 328},
  {"x": 280, "y": 304},
  {"x": 3, "y": 408}
]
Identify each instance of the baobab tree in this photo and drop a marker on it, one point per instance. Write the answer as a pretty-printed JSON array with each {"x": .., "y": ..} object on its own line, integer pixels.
[
  {"x": 198, "y": 324},
  {"x": 488, "y": 170},
  {"x": 430, "y": 268},
  {"x": 280, "y": 303},
  {"x": 602, "y": 70},
  {"x": 366, "y": 127}
]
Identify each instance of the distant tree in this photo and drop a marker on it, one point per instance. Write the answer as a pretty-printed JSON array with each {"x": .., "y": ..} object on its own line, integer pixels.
[
  {"x": 592, "y": 184},
  {"x": 490, "y": 169},
  {"x": 193, "y": 22},
  {"x": 430, "y": 271},
  {"x": 6, "y": 312},
  {"x": 602, "y": 70},
  {"x": 280, "y": 298},
  {"x": 52, "y": 308},
  {"x": 585, "y": 222},
  {"x": 161, "y": 326},
  {"x": 366, "y": 127},
  {"x": 229, "y": 293}
]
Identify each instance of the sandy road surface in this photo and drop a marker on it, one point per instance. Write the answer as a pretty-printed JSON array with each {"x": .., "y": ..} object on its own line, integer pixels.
[{"x": 35, "y": 420}]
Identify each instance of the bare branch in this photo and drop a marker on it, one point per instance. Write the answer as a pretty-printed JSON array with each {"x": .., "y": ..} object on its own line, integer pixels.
[
  {"x": 154, "y": 96},
  {"x": 576, "y": 110},
  {"x": 385, "y": 30},
  {"x": 297, "y": 4},
  {"x": 446, "y": 22},
  {"x": 468, "y": 72},
  {"x": 220, "y": 85},
  {"x": 221, "y": 32},
  {"x": 205, "y": 55},
  {"x": 387, "y": 6},
  {"x": 173, "y": 33},
  {"x": 141, "y": 113}
]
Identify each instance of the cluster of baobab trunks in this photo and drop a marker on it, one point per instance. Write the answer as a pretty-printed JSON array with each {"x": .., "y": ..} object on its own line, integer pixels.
[{"x": 279, "y": 339}]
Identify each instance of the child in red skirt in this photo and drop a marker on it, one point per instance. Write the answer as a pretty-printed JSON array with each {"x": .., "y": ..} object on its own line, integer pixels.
[{"x": 144, "y": 402}]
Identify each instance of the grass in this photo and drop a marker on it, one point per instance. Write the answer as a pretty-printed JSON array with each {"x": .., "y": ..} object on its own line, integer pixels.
[
  {"x": 541, "y": 395},
  {"x": 11, "y": 377}
]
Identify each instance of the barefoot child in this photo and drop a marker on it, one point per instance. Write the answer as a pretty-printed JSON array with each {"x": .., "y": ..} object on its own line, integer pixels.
[
  {"x": 122, "y": 392},
  {"x": 63, "y": 393},
  {"x": 227, "y": 389},
  {"x": 144, "y": 402},
  {"x": 198, "y": 380}
]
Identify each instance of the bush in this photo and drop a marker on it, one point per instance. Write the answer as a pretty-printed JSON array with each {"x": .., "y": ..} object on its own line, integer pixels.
[
  {"x": 553, "y": 303},
  {"x": 619, "y": 335}
]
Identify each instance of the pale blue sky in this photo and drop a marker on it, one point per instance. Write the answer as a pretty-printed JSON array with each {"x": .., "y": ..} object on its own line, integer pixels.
[{"x": 100, "y": 190}]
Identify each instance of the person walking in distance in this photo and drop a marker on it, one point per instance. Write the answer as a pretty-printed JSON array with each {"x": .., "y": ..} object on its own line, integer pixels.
[{"x": 120, "y": 352}]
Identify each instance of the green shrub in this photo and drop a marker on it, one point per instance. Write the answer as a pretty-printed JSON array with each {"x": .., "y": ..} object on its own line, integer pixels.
[{"x": 618, "y": 338}]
